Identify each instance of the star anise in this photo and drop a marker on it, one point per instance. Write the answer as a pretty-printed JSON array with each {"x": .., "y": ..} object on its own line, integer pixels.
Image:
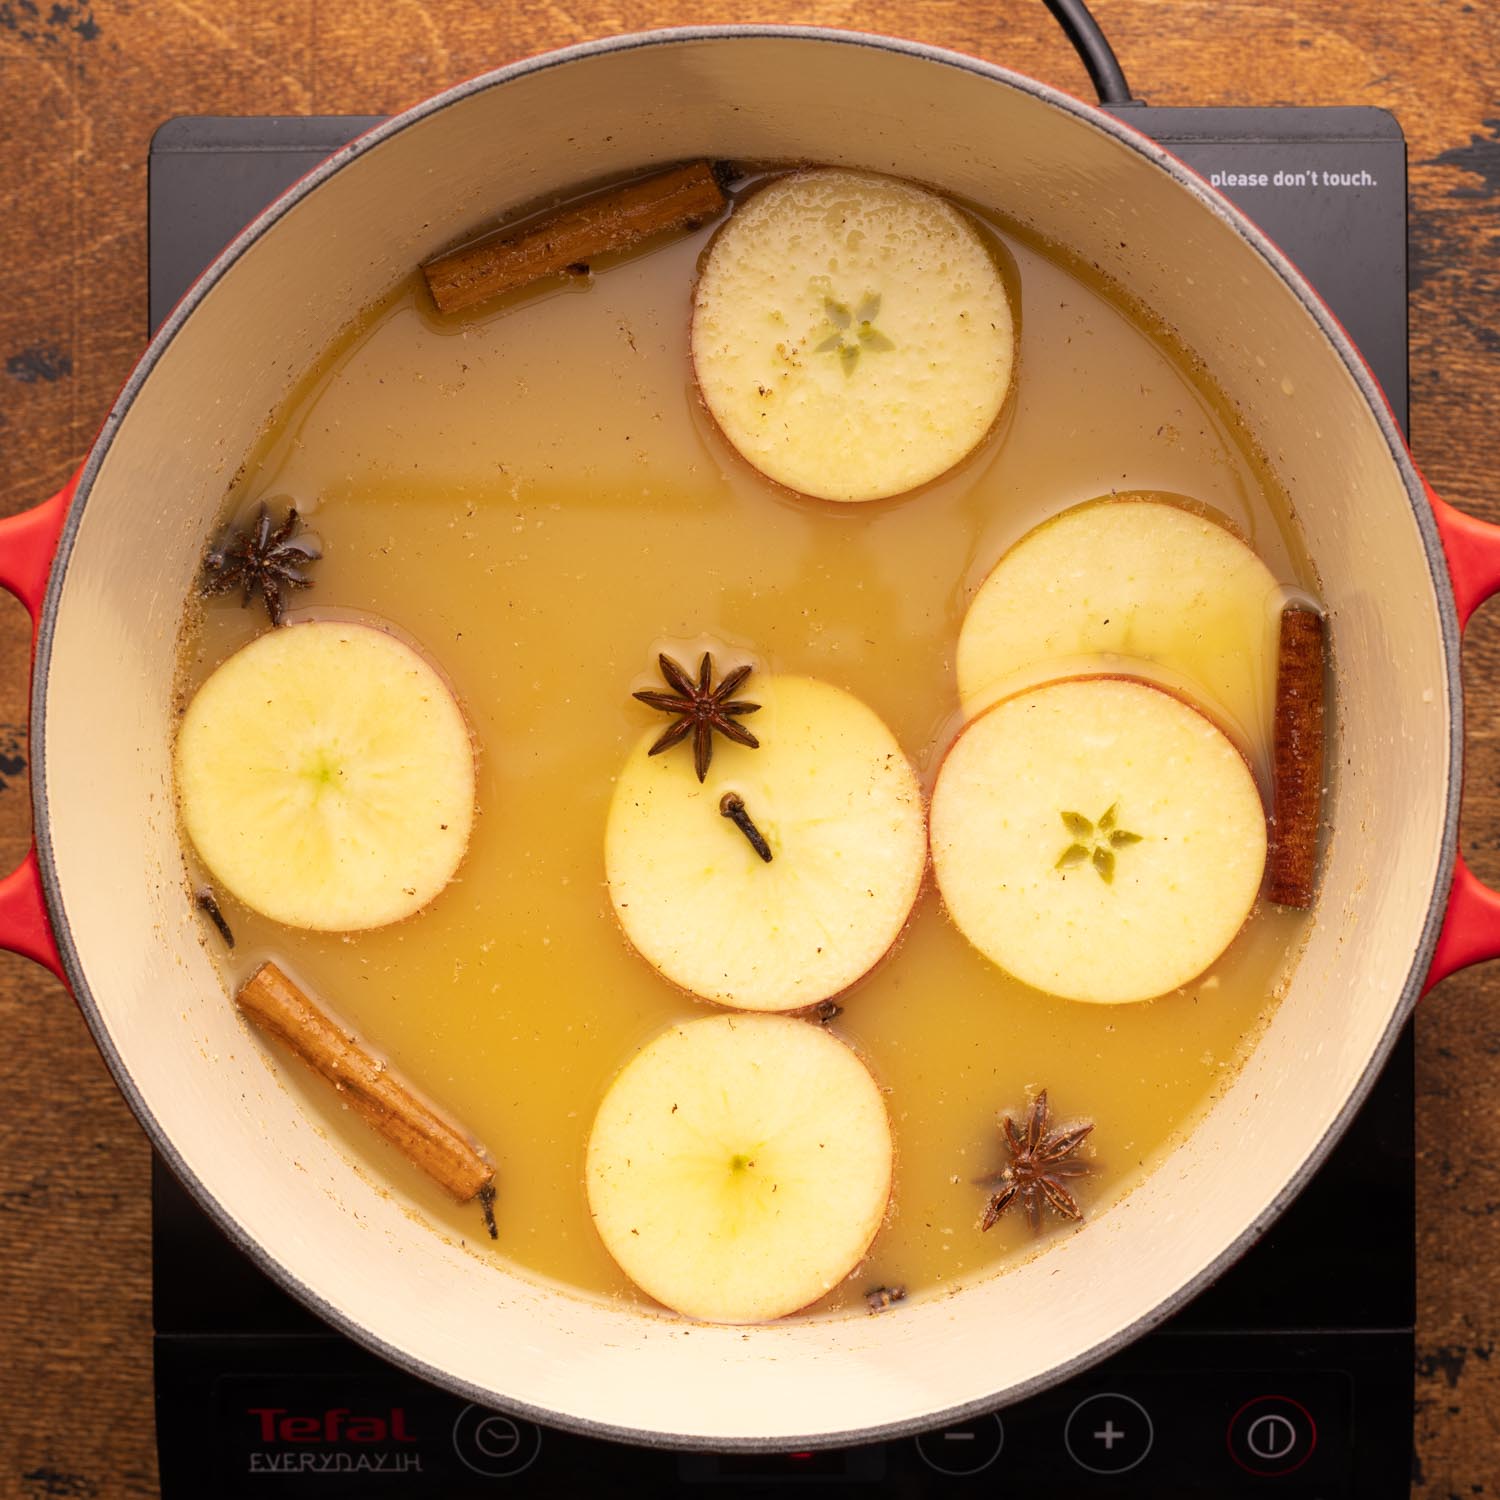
[
  {"x": 260, "y": 558},
  {"x": 702, "y": 709},
  {"x": 1039, "y": 1165}
]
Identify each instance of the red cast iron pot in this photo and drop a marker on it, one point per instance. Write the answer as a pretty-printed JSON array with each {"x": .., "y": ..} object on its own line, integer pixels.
[{"x": 105, "y": 565}]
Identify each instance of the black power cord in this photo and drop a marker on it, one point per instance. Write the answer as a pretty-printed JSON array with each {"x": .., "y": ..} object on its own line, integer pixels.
[{"x": 1090, "y": 44}]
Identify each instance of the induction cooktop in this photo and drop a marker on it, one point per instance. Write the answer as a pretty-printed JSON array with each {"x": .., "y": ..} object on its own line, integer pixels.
[{"x": 1290, "y": 1377}]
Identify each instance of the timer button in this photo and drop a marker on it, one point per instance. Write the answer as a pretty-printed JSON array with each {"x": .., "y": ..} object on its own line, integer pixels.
[
  {"x": 1272, "y": 1435},
  {"x": 1109, "y": 1433},
  {"x": 966, "y": 1448},
  {"x": 495, "y": 1445}
]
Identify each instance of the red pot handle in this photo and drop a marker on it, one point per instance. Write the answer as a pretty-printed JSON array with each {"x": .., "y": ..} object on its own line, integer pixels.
[
  {"x": 1471, "y": 926},
  {"x": 28, "y": 543}
]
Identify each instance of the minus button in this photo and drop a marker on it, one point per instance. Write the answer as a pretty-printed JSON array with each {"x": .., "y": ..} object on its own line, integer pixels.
[{"x": 965, "y": 1448}]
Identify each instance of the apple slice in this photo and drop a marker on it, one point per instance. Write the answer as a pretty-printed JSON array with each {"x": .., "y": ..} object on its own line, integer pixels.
[
  {"x": 840, "y": 814},
  {"x": 326, "y": 777},
  {"x": 739, "y": 1167},
  {"x": 1098, "y": 839},
  {"x": 1138, "y": 584},
  {"x": 852, "y": 334}
]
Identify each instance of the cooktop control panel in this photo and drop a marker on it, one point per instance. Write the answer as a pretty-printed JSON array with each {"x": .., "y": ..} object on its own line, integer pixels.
[
  {"x": 1290, "y": 1377},
  {"x": 1295, "y": 1417}
]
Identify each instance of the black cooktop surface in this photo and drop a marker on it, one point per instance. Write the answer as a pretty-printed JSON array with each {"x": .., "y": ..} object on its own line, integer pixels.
[{"x": 1292, "y": 1376}]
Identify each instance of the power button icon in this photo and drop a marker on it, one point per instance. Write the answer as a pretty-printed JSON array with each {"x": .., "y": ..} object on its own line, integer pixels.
[{"x": 1272, "y": 1435}]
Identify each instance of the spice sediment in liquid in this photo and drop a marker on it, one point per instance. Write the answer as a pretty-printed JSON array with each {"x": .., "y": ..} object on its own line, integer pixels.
[{"x": 533, "y": 495}]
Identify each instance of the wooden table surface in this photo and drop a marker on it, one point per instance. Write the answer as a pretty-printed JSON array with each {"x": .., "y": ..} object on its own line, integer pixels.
[{"x": 81, "y": 89}]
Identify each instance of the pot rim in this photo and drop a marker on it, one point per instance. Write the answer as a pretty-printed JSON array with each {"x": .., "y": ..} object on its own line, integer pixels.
[{"x": 1211, "y": 201}]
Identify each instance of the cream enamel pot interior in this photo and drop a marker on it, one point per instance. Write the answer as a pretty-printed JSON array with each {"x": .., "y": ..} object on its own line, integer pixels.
[{"x": 107, "y": 877}]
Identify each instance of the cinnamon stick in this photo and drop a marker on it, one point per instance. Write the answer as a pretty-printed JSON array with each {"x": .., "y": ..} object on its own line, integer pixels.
[
  {"x": 571, "y": 237},
  {"x": 1297, "y": 758},
  {"x": 371, "y": 1090}
]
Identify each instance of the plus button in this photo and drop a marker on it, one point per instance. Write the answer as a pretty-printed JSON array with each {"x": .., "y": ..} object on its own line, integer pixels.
[{"x": 1109, "y": 1433}]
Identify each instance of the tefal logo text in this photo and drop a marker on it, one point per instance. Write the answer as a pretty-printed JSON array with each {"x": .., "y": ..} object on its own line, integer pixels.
[{"x": 337, "y": 1425}]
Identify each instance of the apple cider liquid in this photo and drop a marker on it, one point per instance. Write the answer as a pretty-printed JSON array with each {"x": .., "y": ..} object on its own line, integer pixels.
[{"x": 533, "y": 496}]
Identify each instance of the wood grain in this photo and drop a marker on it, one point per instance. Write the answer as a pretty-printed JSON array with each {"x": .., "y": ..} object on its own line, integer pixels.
[{"x": 82, "y": 86}]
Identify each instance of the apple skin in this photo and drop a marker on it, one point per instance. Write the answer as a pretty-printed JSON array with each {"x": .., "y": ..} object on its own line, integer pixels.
[
  {"x": 1007, "y": 275},
  {"x": 740, "y": 1166},
  {"x": 842, "y": 810},
  {"x": 325, "y": 775},
  {"x": 1063, "y": 956},
  {"x": 1150, "y": 584}
]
